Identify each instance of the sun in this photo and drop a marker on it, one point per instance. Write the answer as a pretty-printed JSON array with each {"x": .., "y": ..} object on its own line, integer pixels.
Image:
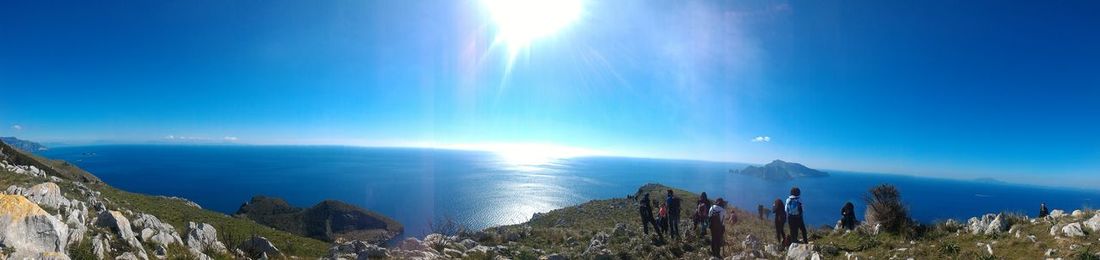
[{"x": 519, "y": 22}]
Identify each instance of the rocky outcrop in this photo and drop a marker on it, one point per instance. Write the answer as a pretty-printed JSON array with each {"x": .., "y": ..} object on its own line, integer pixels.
[
  {"x": 47, "y": 195},
  {"x": 1093, "y": 224},
  {"x": 154, "y": 231},
  {"x": 797, "y": 251},
  {"x": 988, "y": 224},
  {"x": 120, "y": 225},
  {"x": 202, "y": 237},
  {"x": 1073, "y": 230},
  {"x": 258, "y": 246},
  {"x": 27, "y": 228}
]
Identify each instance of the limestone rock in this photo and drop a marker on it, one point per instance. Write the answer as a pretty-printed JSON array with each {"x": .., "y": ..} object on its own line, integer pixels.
[
  {"x": 1093, "y": 224},
  {"x": 156, "y": 232},
  {"x": 259, "y": 245},
  {"x": 799, "y": 251},
  {"x": 27, "y": 228},
  {"x": 1073, "y": 230},
  {"x": 120, "y": 225},
  {"x": 48, "y": 195},
  {"x": 202, "y": 237},
  {"x": 100, "y": 246},
  {"x": 1077, "y": 214},
  {"x": 127, "y": 256},
  {"x": 1055, "y": 214}
]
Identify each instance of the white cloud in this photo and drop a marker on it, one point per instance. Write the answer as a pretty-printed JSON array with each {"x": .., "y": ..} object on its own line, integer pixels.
[
  {"x": 17, "y": 127},
  {"x": 762, "y": 139},
  {"x": 230, "y": 138}
]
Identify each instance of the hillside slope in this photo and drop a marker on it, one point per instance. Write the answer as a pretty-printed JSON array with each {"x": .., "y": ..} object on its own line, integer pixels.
[{"x": 95, "y": 220}]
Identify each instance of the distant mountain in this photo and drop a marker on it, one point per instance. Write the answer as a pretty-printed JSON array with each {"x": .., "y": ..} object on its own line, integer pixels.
[
  {"x": 329, "y": 220},
  {"x": 26, "y": 146},
  {"x": 779, "y": 170}
]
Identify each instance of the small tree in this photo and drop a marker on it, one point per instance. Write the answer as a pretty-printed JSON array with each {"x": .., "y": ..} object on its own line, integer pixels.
[{"x": 884, "y": 207}]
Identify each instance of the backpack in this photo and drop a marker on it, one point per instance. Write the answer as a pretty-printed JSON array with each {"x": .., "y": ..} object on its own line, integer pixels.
[{"x": 793, "y": 205}]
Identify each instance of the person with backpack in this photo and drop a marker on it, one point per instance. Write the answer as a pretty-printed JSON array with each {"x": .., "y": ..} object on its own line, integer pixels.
[
  {"x": 780, "y": 220},
  {"x": 848, "y": 216},
  {"x": 673, "y": 215},
  {"x": 794, "y": 215},
  {"x": 716, "y": 215},
  {"x": 700, "y": 219},
  {"x": 662, "y": 219},
  {"x": 646, "y": 211}
]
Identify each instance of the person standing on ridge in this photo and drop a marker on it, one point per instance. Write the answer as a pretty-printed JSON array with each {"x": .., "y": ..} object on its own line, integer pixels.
[
  {"x": 700, "y": 218},
  {"x": 1043, "y": 212},
  {"x": 662, "y": 218},
  {"x": 794, "y": 215},
  {"x": 848, "y": 216},
  {"x": 716, "y": 215},
  {"x": 673, "y": 214},
  {"x": 780, "y": 220},
  {"x": 646, "y": 211}
]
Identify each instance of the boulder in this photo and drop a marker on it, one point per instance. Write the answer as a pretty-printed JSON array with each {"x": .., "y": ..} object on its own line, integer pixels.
[
  {"x": 156, "y": 232},
  {"x": 1073, "y": 230},
  {"x": 48, "y": 195},
  {"x": 127, "y": 256},
  {"x": 258, "y": 246},
  {"x": 598, "y": 245},
  {"x": 469, "y": 243},
  {"x": 996, "y": 226},
  {"x": 101, "y": 246},
  {"x": 751, "y": 243},
  {"x": 1077, "y": 214},
  {"x": 799, "y": 251},
  {"x": 1054, "y": 230},
  {"x": 1055, "y": 214},
  {"x": 120, "y": 225},
  {"x": 28, "y": 229},
  {"x": 1093, "y": 224},
  {"x": 202, "y": 237},
  {"x": 372, "y": 251}
]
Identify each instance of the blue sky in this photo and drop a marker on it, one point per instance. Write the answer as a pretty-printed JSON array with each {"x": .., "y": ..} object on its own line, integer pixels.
[{"x": 956, "y": 89}]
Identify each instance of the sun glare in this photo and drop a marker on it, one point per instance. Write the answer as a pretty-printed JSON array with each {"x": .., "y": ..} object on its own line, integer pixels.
[{"x": 519, "y": 22}]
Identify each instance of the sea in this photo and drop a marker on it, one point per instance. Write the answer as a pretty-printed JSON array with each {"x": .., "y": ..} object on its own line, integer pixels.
[{"x": 418, "y": 186}]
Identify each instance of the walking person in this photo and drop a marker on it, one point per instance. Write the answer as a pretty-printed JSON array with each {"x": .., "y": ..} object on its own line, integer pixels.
[
  {"x": 780, "y": 220},
  {"x": 646, "y": 211},
  {"x": 848, "y": 216},
  {"x": 794, "y": 215},
  {"x": 716, "y": 215},
  {"x": 673, "y": 215}
]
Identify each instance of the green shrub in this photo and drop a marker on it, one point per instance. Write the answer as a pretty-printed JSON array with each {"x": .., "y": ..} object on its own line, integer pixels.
[{"x": 884, "y": 207}]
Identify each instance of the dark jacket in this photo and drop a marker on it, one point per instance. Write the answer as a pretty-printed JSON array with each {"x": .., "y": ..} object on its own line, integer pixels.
[{"x": 673, "y": 205}]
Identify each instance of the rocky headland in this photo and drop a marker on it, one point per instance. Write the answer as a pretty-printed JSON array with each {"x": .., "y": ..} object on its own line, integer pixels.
[
  {"x": 329, "y": 220},
  {"x": 779, "y": 170}
]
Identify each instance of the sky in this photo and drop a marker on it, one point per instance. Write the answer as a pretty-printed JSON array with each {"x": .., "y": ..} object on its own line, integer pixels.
[{"x": 957, "y": 89}]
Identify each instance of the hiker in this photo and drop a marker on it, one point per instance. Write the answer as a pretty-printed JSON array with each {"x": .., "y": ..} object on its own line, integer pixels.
[
  {"x": 780, "y": 220},
  {"x": 848, "y": 216},
  {"x": 794, "y": 215},
  {"x": 662, "y": 219},
  {"x": 1043, "y": 212},
  {"x": 700, "y": 218},
  {"x": 716, "y": 215},
  {"x": 647, "y": 214},
  {"x": 673, "y": 214}
]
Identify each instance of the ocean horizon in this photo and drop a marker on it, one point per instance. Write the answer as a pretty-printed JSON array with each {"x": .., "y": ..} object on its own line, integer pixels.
[{"x": 481, "y": 189}]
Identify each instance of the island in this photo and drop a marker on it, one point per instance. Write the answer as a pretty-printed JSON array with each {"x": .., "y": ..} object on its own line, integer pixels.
[{"x": 779, "y": 170}]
